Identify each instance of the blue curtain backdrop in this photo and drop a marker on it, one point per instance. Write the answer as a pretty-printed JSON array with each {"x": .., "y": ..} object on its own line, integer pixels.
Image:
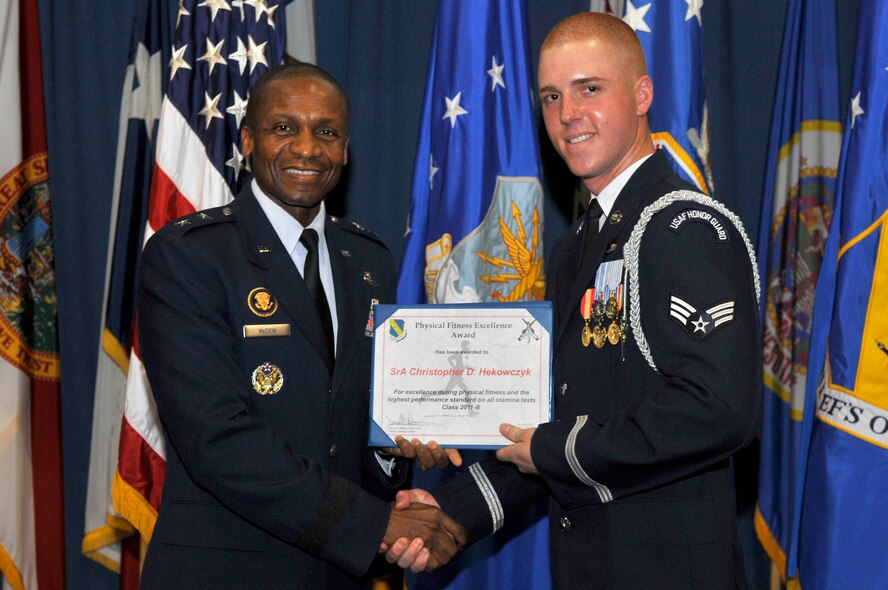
[{"x": 379, "y": 51}]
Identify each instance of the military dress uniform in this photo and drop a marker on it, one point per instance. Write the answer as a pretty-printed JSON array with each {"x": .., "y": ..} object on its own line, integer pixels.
[
  {"x": 266, "y": 437},
  {"x": 647, "y": 413}
]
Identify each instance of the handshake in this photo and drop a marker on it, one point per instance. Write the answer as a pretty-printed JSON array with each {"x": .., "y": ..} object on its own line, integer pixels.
[{"x": 419, "y": 534}]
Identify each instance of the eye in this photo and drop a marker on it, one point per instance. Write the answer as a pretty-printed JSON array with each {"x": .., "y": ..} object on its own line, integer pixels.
[
  {"x": 280, "y": 129},
  {"x": 328, "y": 133},
  {"x": 549, "y": 98},
  {"x": 591, "y": 89}
]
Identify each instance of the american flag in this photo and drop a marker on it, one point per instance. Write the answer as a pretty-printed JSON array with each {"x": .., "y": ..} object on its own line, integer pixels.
[{"x": 220, "y": 49}]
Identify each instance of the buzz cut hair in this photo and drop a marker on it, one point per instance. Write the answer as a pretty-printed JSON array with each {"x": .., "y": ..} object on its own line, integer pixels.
[
  {"x": 296, "y": 69},
  {"x": 599, "y": 25}
]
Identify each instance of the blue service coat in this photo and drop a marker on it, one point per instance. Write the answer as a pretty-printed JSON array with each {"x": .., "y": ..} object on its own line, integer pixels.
[
  {"x": 267, "y": 456},
  {"x": 636, "y": 462}
]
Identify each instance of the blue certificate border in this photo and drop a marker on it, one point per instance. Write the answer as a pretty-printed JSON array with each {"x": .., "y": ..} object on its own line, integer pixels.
[{"x": 540, "y": 310}]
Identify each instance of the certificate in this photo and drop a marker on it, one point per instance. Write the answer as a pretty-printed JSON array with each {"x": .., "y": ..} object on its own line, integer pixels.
[{"x": 454, "y": 373}]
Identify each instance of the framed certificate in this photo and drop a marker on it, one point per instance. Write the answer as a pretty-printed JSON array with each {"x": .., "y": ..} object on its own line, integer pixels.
[{"x": 454, "y": 373}]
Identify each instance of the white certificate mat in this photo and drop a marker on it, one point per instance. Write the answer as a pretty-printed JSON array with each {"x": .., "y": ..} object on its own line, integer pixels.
[{"x": 454, "y": 373}]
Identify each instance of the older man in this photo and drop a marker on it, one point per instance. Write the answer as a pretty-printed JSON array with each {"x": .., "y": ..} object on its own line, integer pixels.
[{"x": 255, "y": 328}]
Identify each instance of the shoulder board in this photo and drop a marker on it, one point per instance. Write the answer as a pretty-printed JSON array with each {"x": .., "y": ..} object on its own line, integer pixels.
[
  {"x": 683, "y": 206},
  {"x": 200, "y": 219},
  {"x": 354, "y": 228}
]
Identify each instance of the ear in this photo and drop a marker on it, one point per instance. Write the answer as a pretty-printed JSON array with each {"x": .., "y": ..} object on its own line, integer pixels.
[
  {"x": 644, "y": 95},
  {"x": 246, "y": 141},
  {"x": 345, "y": 155}
]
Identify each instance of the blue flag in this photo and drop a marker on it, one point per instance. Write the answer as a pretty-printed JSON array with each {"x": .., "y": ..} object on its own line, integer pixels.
[
  {"x": 475, "y": 227},
  {"x": 797, "y": 207},
  {"x": 671, "y": 33},
  {"x": 844, "y": 529}
]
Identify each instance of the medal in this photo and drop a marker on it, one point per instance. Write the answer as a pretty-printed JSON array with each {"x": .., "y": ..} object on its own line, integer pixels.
[
  {"x": 587, "y": 335},
  {"x": 586, "y": 312},
  {"x": 611, "y": 309},
  {"x": 598, "y": 310},
  {"x": 599, "y": 336},
  {"x": 614, "y": 333}
]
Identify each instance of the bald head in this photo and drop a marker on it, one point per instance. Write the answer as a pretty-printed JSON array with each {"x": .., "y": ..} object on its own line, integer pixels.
[{"x": 617, "y": 36}]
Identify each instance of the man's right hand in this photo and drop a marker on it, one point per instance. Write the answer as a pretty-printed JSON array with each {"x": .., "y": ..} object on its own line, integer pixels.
[{"x": 436, "y": 537}]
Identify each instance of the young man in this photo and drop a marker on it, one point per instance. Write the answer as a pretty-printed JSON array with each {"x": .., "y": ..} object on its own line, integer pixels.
[{"x": 657, "y": 353}]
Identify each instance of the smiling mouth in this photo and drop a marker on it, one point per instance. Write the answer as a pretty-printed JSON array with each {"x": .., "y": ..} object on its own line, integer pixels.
[
  {"x": 301, "y": 172},
  {"x": 579, "y": 138}
]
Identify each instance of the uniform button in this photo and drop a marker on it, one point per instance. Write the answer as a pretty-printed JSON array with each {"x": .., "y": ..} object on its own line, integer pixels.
[
  {"x": 334, "y": 450},
  {"x": 565, "y": 524},
  {"x": 564, "y": 388}
]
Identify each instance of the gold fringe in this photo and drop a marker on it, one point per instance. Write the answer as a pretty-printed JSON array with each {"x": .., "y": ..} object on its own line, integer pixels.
[
  {"x": 134, "y": 507},
  {"x": 770, "y": 544},
  {"x": 10, "y": 571}
]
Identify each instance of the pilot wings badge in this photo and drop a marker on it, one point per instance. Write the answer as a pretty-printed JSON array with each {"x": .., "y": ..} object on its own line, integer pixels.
[{"x": 699, "y": 325}]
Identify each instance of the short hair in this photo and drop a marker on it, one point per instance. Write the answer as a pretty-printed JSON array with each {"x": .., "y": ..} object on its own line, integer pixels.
[
  {"x": 286, "y": 71},
  {"x": 600, "y": 25}
]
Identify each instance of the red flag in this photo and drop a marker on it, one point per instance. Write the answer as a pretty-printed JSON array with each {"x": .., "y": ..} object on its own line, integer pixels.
[{"x": 32, "y": 524}]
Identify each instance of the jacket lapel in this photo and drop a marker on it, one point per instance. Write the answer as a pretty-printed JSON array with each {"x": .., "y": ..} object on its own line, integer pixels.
[
  {"x": 353, "y": 295},
  {"x": 629, "y": 203},
  {"x": 264, "y": 249}
]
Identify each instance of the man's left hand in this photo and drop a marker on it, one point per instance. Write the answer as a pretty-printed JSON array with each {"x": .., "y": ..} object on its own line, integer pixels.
[
  {"x": 428, "y": 456},
  {"x": 519, "y": 453}
]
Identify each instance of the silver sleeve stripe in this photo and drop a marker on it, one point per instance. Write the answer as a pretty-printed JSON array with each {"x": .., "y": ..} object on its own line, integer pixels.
[
  {"x": 571, "y": 453},
  {"x": 633, "y": 245},
  {"x": 490, "y": 496},
  {"x": 721, "y": 321}
]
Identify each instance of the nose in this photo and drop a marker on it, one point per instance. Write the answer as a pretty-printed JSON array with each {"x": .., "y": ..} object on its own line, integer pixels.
[
  {"x": 569, "y": 110},
  {"x": 304, "y": 144}
]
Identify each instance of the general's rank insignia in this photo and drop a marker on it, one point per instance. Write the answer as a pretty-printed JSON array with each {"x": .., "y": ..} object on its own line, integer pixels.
[
  {"x": 699, "y": 325},
  {"x": 368, "y": 329},
  {"x": 261, "y": 302},
  {"x": 267, "y": 379},
  {"x": 396, "y": 330}
]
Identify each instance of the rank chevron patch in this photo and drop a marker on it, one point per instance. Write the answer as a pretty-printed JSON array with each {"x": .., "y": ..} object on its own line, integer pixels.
[{"x": 699, "y": 325}]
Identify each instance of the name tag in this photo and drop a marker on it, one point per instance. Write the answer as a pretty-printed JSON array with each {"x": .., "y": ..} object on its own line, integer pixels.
[{"x": 262, "y": 330}]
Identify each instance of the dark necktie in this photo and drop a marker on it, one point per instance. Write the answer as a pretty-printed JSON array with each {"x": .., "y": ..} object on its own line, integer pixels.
[
  {"x": 312, "y": 278},
  {"x": 590, "y": 226}
]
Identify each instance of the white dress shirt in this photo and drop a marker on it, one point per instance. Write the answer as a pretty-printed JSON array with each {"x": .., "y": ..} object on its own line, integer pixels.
[{"x": 289, "y": 231}]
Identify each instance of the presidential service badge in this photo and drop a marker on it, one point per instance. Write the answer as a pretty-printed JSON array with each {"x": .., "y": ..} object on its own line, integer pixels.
[
  {"x": 267, "y": 379},
  {"x": 699, "y": 325},
  {"x": 261, "y": 302}
]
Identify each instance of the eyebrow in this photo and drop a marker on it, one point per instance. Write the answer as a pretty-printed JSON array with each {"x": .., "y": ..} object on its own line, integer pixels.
[{"x": 573, "y": 84}]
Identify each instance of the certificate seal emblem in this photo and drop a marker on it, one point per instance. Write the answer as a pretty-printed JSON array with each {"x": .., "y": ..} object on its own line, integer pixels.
[
  {"x": 261, "y": 302},
  {"x": 267, "y": 379},
  {"x": 397, "y": 331}
]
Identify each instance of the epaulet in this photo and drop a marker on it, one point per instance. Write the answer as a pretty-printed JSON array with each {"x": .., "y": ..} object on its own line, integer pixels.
[
  {"x": 203, "y": 218},
  {"x": 354, "y": 228}
]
